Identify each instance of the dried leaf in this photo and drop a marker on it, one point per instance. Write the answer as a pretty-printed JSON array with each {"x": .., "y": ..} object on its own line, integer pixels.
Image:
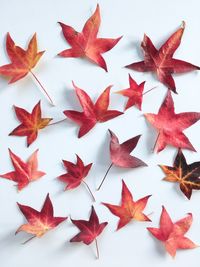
[
  {"x": 129, "y": 209},
  {"x": 92, "y": 113},
  {"x": 31, "y": 123},
  {"x": 161, "y": 61},
  {"x": 172, "y": 234},
  {"x": 39, "y": 222},
  {"x": 85, "y": 43},
  {"x": 89, "y": 230},
  {"x": 25, "y": 172},
  {"x": 187, "y": 175},
  {"x": 170, "y": 126}
]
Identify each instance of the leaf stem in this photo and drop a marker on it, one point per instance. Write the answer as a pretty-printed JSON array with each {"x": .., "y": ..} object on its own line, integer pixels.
[
  {"x": 28, "y": 240},
  {"x": 156, "y": 142},
  {"x": 150, "y": 90},
  {"x": 89, "y": 190},
  {"x": 53, "y": 123},
  {"x": 105, "y": 176},
  {"x": 45, "y": 91},
  {"x": 97, "y": 248}
]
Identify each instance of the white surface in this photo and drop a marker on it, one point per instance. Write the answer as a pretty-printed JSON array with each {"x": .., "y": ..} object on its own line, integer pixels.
[{"x": 133, "y": 245}]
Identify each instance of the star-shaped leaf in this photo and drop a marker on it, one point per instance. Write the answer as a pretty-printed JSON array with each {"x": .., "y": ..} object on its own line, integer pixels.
[
  {"x": 22, "y": 61},
  {"x": 129, "y": 209},
  {"x": 75, "y": 174},
  {"x": 25, "y": 172},
  {"x": 89, "y": 230},
  {"x": 187, "y": 175},
  {"x": 161, "y": 61},
  {"x": 86, "y": 43},
  {"x": 172, "y": 234},
  {"x": 92, "y": 113},
  {"x": 170, "y": 125},
  {"x": 120, "y": 154},
  {"x": 134, "y": 93},
  {"x": 31, "y": 123},
  {"x": 39, "y": 222}
]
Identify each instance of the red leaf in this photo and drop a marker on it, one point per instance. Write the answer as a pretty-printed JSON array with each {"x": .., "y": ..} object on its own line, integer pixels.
[
  {"x": 172, "y": 234},
  {"x": 92, "y": 113},
  {"x": 25, "y": 172},
  {"x": 39, "y": 222},
  {"x": 89, "y": 230},
  {"x": 161, "y": 61},
  {"x": 134, "y": 93},
  {"x": 171, "y": 125},
  {"x": 120, "y": 154},
  {"x": 75, "y": 174},
  {"x": 22, "y": 61},
  {"x": 129, "y": 209},
  {"x": 30, "y": 123},
  {"x": 86, "y": 44}
]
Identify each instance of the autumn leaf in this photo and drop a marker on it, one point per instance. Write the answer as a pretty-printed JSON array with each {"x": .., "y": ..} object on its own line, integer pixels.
[
  {"x": 22, "y": 61},
  {"x": 172, "y": 235},
  {"x": 134, "y": 93},
  {"x": 39, "y": 222},
  {"x": 31, "y": 123},
  {"x": 187, "y": 175},
  {"x": 170, "y": 126},
  {"x": 129, "y": 209},
  {"x": 85, "y": 43},
  {"x": 120, "y": 154},
  {"x": 75, "y": 174},
  {"x": 89, "y": 230},
  {"x": 92, "y": 113},
  {"x": 161, "y": 61},
  {"x": 25, "y": 172}
]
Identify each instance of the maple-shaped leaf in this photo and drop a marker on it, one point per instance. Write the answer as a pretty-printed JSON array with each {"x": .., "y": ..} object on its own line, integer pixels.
[
  {"x": 31, "y": 123},
  {"x": 120, "y": 154},
  {"x": 89, "y": 230},
  {"x": 187, "y": 175},
  {"x": 161, "y": 61},
  {"x": 25, "y": 172},
  {"x": 75, "y": 174},
  {"x": 92, "y": 113},
  {"x": 170, "y": 126},
  {"x": 22, "y": 61},
  {"x": 134, "y": 93},
  {"x": 129, "y": 209},
  {"x": 85, "y": 43},
  {"x": 172, "y": 234},
  {"x": 39, "y": 222}
]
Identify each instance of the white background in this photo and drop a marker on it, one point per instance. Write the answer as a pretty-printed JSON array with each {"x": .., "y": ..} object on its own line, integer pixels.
[{"x": 133, "y": 245}]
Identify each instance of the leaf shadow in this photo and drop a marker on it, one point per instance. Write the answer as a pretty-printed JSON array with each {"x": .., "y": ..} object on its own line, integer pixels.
[
  {"x": 103, "y": 155},
  {"x": 150, "y": 139},
  {"x": 71, "y": 99},
  {"x": 159, "y": 248}
]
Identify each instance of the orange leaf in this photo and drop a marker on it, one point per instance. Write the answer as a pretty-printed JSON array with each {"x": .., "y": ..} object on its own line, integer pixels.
[
  {"x": 22, "y": 61},
  {"x": 187, "y": 175},
  {"x": 30, "y": 123},
  {"x": 129, "y": 209},
  {"x": 172, "y": 234}
]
